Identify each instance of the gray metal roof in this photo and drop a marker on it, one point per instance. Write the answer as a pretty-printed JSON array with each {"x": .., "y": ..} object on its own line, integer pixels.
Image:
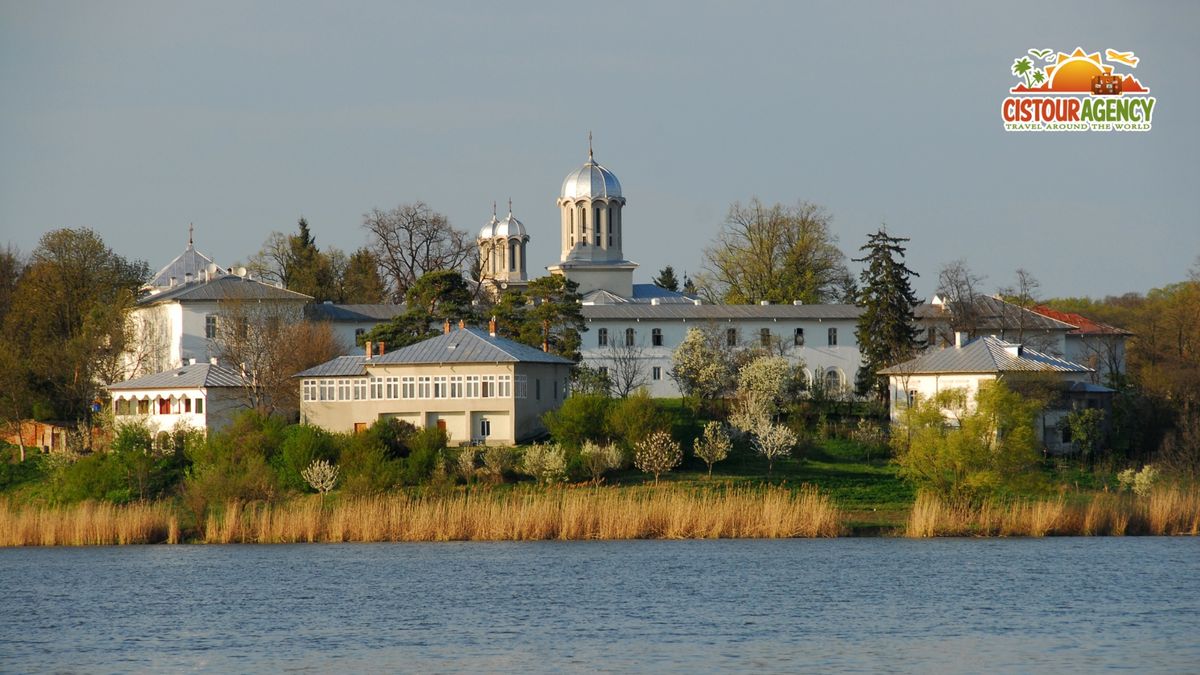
[
  {"x": 996, "y": 314},
  {"x": 228, "y": 287},
  {"x": 185, "y": 377},
  {"x": 693, "y": 312},
  {"x": 342, "y": 366},
  {"x": 985, "y": 355},
  {"x": 354, "y": 313},
  {"x": 464, "y": 345},
  {"x": 190, "y": 262}
]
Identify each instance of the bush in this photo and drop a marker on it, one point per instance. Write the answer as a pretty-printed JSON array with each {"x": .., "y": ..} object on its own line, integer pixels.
[
  {"x": 581, "y": 418},
  {"x": 302, "y": 445},
  {"x": 632, "y": 419},
  {"x": 235, "y": 464},
  {"x": 597, "y": 459},
  {"x": 658, "y": 453},
  {"x": 547, "y": 463},
  {"x": 425, "y": 456},
  {"x": 366, "y": 467},
  {"x": 498, "y": 461},
  {"x": 393, "y": 435}
]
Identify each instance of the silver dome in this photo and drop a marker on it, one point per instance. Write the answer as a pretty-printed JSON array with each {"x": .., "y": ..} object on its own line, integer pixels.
[
  {"x": 510, "y": 227},
  {"x": 489, "y": 230},
  {"x": 590, "y": 181}
]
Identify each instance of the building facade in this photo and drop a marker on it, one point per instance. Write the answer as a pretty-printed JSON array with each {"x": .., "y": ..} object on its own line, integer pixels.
[{"x": 199, "y": 396}]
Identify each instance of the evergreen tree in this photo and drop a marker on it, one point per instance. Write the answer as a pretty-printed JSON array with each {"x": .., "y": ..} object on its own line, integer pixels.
[
  {"x": 666, "y": 279},
  {"x": 308, "y": 270},
  {"x": 547, "y": 312},
  {"x": 361, "y": 282},
  {"x": 886, "y": 332},
  {"x": 689, "y": 286},
  {"x": 435, "y": 298}
]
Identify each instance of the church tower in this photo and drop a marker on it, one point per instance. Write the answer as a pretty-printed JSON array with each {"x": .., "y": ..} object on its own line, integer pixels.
[
  {"x": 502, "y": 245},
  {"x": 592, "y": 228}
]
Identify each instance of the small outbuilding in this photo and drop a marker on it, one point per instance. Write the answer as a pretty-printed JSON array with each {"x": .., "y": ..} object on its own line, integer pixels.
[{"x": 201, "y": 396}]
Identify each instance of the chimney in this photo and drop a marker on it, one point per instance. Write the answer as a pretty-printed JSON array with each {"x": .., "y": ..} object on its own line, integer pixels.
[
  {"x": 187, "y": 277},
  {"x": 697, "y": 302},
  {"x": 381, "y": 347},
  {"x": 764, "y": 302},
  {"x": 492, "y": 327},
  {"x": 212, "y": 360},
  {"x": 462, "y": 324},
  {"x": 446, "y": 327},
  {"x": 546, "y": 347},
  {"x": 171, "y": 283},
  {"x": 368, "y": 346},
  {"x": 961, "y": 338}
]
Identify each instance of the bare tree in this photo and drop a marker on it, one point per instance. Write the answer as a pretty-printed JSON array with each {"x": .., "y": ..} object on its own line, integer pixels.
[
  {"x": 268, "y": 343},
  {"x": 413, "y": 239},
  {"x": 959, "y": 286},
  {"x": 626, "y": 366},
  {"x": 1020, "y": 299}
]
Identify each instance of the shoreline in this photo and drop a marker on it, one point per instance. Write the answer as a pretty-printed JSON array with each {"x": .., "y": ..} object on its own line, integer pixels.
[{"x": 590, "y": 514}]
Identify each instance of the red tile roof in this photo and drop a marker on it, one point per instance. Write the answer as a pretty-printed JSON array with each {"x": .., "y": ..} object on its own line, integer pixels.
[{"x": 1083, "y": 325}]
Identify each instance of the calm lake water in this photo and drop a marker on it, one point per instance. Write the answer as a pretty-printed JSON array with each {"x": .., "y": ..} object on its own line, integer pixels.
[{"x": 951, "y": 605}]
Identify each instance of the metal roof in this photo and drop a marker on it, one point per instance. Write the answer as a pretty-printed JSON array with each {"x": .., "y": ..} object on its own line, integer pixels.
[
  {"x": 334, "y": 312},
  {"x": 342, "y": 366},
  {"x": 190, "y": 262},
  {"x": 185, "y": 377},
  {"x": 985, "y": 355},
  {"x": 228, "y": 287},
  {"x": 693, "y": 312},
  {"x": 590, "y": 181},
  {"x": 463, "y": 345},
  {"x": 1083, "y": 325}
]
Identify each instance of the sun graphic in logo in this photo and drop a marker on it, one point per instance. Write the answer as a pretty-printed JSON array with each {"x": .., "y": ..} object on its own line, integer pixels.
[{"x": 1074, "y": 71}]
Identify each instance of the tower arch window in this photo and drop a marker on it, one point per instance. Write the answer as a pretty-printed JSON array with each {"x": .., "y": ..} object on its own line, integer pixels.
[
  {"x": 512, "y": 255},
  {"x": 596, "y": 226},
  {"x": 629, "y": 335},
  {"x": 611, "y": 223}
]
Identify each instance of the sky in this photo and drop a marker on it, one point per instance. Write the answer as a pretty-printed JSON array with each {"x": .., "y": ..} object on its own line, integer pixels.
[{"x": 136, "y": 119}]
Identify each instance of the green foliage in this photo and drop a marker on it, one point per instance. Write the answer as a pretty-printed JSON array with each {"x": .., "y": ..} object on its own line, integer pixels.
[
  {"x": 588, "y": 381},
  {"x": 235, "y": 463},
  {"x": 393, "y": 435},
  {"x": 993, "y": 447},
  {"x": 301, "y": 446},
  {"x": 580, "y": 418},
  {"x": 15, "y": 473},
  {"x": 630, "y": 420},
  {"x": 886, "y": 331},
  {"x": 361, "y": 282},
  {"x": 1086, "y": 426},
  {"x": 367, "y": 465},
  {"x": 547, "y": 311},
  {"x": 427, "y": 446},
  {"x": 666, "y": 279}
]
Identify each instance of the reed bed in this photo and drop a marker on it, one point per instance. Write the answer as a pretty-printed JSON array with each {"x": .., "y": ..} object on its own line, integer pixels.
[
  {"x": 88, "y": 524},
  {"x": 1167, "y": 510},
  {"x": 597, "y": 513}
]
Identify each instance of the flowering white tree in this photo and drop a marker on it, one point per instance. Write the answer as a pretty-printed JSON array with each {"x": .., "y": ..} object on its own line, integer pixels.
[
  {"x": 321, "y": 475},
  {"x": 496, "y": 461},
  {"x": 701, "y": 368},
  {"x": 714, "y": 445},
  {"x": 600, "y": 458},
  {"x": 545, "y": 462},
  {"x": 658, "y": 453},
  {"x": 466, "y": 462},
  {"x": 774, "y": 441},
  {"x": 767, "y": 377}
]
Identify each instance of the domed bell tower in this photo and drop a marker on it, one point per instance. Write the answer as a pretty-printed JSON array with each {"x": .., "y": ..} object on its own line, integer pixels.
[{"x": 502, "y": 245}]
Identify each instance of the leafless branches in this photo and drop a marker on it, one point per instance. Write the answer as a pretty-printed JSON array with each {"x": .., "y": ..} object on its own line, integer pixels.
[{"x": 413, "y": 239}]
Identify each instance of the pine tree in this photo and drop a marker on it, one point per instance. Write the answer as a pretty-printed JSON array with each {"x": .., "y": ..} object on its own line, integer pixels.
[
  {"x": 666, "y": 279},
  {"x": 689, "y": 286},
  {"x": 886, "y": 332}
]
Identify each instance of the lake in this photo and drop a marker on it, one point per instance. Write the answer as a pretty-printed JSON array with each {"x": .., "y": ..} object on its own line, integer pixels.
[{"x": 946, "y": 605}]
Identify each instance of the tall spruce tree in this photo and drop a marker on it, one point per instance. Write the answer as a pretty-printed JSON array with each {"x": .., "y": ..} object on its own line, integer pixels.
[
  {"x": 666, "y": 279},
  {"x": 886, "y": 330}
]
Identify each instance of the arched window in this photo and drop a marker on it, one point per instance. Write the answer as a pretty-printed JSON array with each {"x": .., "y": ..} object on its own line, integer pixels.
[
  {"x": 602, "y": 337},
  {"x": 611, "y": 224},
  {"x": 629, "y": 334},
  {"x": 596, "y": 225},
  {"x": 833, "y": 380},
  {"x": 512, "y": 255}
]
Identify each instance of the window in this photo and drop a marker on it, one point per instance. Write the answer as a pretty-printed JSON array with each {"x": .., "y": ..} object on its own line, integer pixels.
[
  {"x": 596, "y": 226},
  {"x": 912, "y": 397},
  {"x": 210, "y": 326},
  {"x": 504, "y": 386},
  {"x": 537, "y": 388},
  {"x": 187, "y": 405},
  {"x": 833, "y": 380},
  {"x": 602, "y": 337},
  {"x": 930, "y": 337},
  {"x": 832, "y": 337},
  {"x": 199, "y": 406},
  {"x": 377, "y": 388},
  {"x": 408, "y": 387},
  {"x": 310, "y": 390},
  {"x": 392, "y": 385},
  {"x": 343, "y": 390},
  {"x": 472, "y": 386},
  {"x": 485, "y": 427},
  {"x": 656, "y": 373},
  {"x": 603, "y": 370},
  {"x": 798, "y": 340},
  {"x": 326, "y": 390},
  {"x": 610, "y": 226},
  {"x": 731, "y": 337},
  {"x": 164, "y": 406},
  {"x": 120, "y": 406},
  {"x": 523, "y": 386},
  {"x": 656, "y": 337},
  {"x": 764, "y": 336},
  {"x": 439, "y": 387},
  {"x": 423, "y": 383},
  {"x": 488, "y": 389},
  {"x": 143, "y": 407},
  {"x": 360, "y": 389},
  {"x": 629, "y": 335},
  {"x": 456, "y": 386}
]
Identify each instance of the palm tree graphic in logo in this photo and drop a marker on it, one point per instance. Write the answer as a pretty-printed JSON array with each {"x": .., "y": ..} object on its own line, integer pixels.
[{"x": 1022, "y": 68}]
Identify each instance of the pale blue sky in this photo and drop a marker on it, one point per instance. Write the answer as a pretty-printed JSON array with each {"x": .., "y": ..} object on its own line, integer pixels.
[{"x": 138, "y": 118}]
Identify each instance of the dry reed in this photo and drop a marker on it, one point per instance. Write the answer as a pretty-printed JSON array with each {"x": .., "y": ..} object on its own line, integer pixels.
[
  {"x": 596, "y": 513},
  {"x": 87, "y": 524},
  {"x": 1168, "y": 510}
]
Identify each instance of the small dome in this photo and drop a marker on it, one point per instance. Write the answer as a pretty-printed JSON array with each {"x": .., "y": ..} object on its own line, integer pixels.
[
  {"x": 590, "y": 181},
  {"x": 489, "y": 230},
  {"x": 509, "y": 227}
]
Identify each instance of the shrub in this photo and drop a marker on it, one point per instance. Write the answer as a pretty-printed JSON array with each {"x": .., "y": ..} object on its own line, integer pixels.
[
  {"x": 235, "y": 463},
  {"x": 635, "y": 417},
  {"x": 366, "y": 467},
  {"x": 302, "y": 445},
  {"x": 465, "y": 464},
  {"x": 600, "y": 458},
  {"x": 498, "y": 461},
  {"x": 714, "y": 445},
  {"x": 581, "y": 418},
  {"x": 321, "y": 475},
  {"x": 657, "y": 454},
  {"x": 774, "y": 441},
  {"x": 392, "y": 435},
  {"x": 547, "y": 463},
  {"x": 1141, "y": 482}
]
